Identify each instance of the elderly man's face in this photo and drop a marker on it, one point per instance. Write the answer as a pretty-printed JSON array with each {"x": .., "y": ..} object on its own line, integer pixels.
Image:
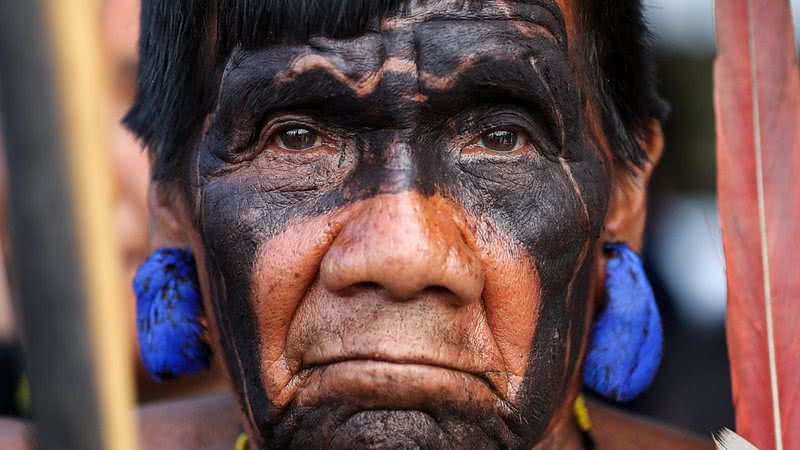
[{"x": 396, "y": 233}]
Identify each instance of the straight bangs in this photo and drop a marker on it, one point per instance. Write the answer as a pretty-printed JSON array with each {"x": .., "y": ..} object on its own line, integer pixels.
[{"x": 254, "y": 23}]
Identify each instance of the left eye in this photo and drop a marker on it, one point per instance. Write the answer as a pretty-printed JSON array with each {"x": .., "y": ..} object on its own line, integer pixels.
[
  {"x": 502, "y": 140},
  {"x": 298, "y": 139}
]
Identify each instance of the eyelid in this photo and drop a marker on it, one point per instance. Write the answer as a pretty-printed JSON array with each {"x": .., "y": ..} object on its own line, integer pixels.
[{"x": 503, "y": 120}]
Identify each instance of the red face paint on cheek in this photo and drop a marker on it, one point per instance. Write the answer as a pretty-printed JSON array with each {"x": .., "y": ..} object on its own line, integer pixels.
[
  {"x": 511, "y": 299},
  {"x": 285, "y": 271}
]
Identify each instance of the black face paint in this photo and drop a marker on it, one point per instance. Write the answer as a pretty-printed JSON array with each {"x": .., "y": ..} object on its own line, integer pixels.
[{"x": 398, "y": 106}]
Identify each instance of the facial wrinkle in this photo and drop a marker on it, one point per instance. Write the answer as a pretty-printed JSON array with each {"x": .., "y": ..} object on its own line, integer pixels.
[
  {"x": 571, "y": 301},
  {"x": 586, "y": 219},
  {"x": 361, "y": 87}
]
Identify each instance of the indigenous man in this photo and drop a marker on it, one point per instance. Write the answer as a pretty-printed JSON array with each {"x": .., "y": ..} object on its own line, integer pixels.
[{"x": 398, "y": 212}]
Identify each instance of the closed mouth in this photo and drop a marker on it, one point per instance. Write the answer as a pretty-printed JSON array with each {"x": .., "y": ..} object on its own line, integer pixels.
[{"x": 362, "y": 361}]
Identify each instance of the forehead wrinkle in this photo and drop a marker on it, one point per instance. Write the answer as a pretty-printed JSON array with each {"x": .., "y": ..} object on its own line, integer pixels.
[
  {"x": 361, "y": 86},
  {"x": 399, "y": 58},
  {"x": 545, "y": 13},
  {"x": 450, "y": 43}
]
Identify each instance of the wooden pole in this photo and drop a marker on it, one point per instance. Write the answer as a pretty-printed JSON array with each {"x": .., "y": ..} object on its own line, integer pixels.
[{"x": 64, "y": 252}]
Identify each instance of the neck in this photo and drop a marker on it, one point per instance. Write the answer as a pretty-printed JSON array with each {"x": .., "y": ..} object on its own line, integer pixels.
[{"x": 563, "y": 432}]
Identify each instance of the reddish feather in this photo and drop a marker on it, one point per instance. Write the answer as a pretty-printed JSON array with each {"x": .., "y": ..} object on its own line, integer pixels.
[{"x": 758, "y": 34}]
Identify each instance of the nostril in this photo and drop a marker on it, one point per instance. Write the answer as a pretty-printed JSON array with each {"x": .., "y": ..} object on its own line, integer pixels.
[
  {"x": 443, "y": 293},
  {"x": 398, "y": 294},
  {"x": 356, "y": 288},
  {"x": 439, "y": 290}
]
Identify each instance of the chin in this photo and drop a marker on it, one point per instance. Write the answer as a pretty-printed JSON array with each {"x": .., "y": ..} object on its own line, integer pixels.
[
  {"x": 365, "y": 404},
  {"x": 338, "y": 425}
]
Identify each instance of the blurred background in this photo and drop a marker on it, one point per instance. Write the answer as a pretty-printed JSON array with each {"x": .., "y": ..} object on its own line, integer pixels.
[{"x": 683, "y": 250}]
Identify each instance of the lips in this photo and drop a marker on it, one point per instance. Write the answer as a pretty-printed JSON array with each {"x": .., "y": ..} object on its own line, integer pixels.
[
  {"x": 413, "y": 349},
  {"x": 382, "y": 382},
  {"x": 378, "y": 357}
]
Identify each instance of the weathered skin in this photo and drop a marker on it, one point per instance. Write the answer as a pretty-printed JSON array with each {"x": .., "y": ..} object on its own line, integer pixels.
[{"x": 400, "y": 283}]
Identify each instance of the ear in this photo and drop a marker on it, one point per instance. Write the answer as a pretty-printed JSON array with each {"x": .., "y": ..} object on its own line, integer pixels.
[
  {"x": 627, "y": 209},
  {"x": 169, "y": 216}
]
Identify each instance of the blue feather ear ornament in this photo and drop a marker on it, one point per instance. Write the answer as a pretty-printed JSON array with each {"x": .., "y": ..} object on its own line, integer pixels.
[
  {"x": 170, "y": 323},
  {"x": 627, "y": 339}
]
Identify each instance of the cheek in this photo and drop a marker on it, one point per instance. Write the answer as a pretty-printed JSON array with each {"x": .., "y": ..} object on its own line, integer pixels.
[
  {"x": 285, "y": 269},
  {"x": 511, "y": 300}
]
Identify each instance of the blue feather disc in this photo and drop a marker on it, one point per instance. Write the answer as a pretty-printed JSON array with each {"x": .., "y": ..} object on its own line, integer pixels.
[
  {"x": 169, "y": 315},
  {"x": 625, "y": 349}
]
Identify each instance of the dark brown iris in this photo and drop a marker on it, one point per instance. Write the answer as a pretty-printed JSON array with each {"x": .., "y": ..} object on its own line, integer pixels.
[
  {"x": 298, "y": 139},
  {"x": 500, "y": 140}
]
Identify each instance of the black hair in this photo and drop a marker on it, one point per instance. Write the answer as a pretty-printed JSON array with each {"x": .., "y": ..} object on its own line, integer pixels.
[
  {"x": 617, "y": 52},
  {"x": 184, "y": 43}
]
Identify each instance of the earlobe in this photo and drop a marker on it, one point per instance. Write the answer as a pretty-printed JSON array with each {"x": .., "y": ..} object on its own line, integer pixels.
[
  {"x": 168, "y": 212},
  {"x": 627, "y": 208}
]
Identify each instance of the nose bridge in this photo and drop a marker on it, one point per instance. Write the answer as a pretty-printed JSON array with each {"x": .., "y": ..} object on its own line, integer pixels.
[
  {"x": 404, "y": 243},
  {"x": 398, "y": 168}
]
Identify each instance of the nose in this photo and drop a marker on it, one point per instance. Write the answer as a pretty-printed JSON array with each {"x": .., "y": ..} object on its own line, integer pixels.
[{"x": 404, "y": 243}]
